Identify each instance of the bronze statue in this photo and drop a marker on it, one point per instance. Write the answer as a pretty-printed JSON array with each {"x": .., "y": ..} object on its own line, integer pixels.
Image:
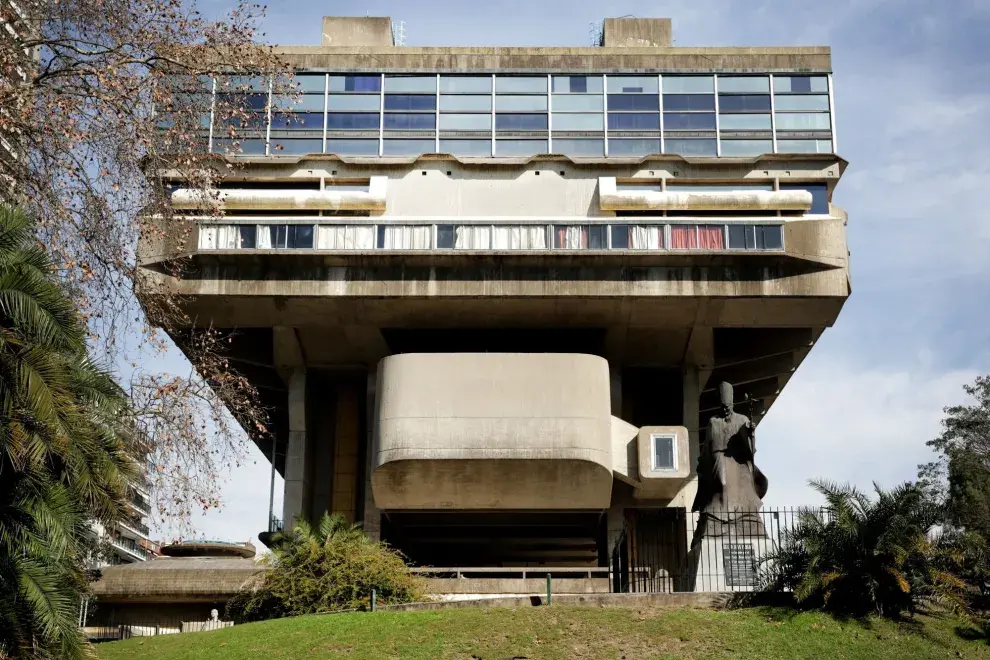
[{"x": 730, "y": 486}]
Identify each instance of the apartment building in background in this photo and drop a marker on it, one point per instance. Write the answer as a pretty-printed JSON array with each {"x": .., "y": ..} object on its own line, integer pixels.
[{"x": 488, "y": 293}]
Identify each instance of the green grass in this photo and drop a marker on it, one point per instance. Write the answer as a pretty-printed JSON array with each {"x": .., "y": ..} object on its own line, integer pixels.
[{"x": 564, "y": 632}]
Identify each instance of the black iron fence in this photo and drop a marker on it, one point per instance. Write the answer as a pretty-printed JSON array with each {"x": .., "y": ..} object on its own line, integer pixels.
[
  {"x": 674, "y": 550},
  {"x": 110, "y": 630}
]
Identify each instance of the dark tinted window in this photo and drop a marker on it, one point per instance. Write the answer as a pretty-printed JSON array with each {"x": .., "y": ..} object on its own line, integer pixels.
[
  {"x": 249, "y": 236},
  {"x": 737, "y": 237},
  {"x": 633, "y": 102},
  {"x": 620, "y": 237},
  {"x": 294, "y": 236},
  {"x": 362, "y": 83},
  {"x": 685, "y": 102},
  {"x": 634, "y": 121},
  {"x": 410, "y": 102},
  {"x": 677, "y": 121},
  {"x": 744, "y": 103},
  {"x": 819, "y": 195},
  {"x": 445, "y": 236},
  {"x": 419, "y": 121},
  {"x": 772, "y": 237},
  {"x": 300, "y": 121},
  {"x": 337, "y": 121}
]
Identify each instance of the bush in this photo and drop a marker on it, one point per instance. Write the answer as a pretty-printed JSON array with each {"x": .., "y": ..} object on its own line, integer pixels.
[
  {"x": 866, "y": 556},
  {"x": 328, "y": 569}
]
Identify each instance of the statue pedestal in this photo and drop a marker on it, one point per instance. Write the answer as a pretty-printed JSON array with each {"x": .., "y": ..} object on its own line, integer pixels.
[{"x": 726, "y": 551}]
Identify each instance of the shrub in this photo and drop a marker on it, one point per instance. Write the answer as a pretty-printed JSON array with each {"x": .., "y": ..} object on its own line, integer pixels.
[
  {"x": 331, "y": 568},
  {"x": 865, "y": 556}
]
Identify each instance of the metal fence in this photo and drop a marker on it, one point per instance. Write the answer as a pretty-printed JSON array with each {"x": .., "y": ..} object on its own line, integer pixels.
[
  {"x": 673, "y": 550},
  {"x": 107, "y": 631}
]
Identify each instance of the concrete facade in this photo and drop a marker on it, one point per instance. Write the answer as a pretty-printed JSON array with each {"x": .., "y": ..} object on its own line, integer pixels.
[{"x": 487, "y": 344}]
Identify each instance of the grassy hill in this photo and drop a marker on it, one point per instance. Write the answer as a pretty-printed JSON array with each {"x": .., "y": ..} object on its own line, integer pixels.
[{"x": 566, "y": 632}]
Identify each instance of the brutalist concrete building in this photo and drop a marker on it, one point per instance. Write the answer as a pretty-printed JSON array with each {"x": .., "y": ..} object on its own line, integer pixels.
[{"x": 488, "y": 293}]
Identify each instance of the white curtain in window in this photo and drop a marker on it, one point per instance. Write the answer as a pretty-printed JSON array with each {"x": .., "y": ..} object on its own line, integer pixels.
[
  {"x": 228, "y": 237},
  {"x": 208, "y": 238},
  {"x": 345, "y": 237},
  {"x": 265, "y": 237},
  {"x": 408, "y": 238},
  {"x": 572, "y": 238},
  {"x": 645, "y": 238},
  {"x": 520, "y": 238},
  {"x": 467, "y": 237}
]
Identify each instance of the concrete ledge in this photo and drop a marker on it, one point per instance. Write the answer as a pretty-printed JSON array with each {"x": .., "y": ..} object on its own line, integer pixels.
[{"x": 687, "y": 599}]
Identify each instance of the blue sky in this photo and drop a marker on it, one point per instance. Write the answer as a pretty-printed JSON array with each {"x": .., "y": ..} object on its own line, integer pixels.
[{"x": 912, "y": 81}]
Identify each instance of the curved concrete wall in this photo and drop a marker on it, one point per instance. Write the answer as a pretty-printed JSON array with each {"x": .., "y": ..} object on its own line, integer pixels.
[{"x": 492, "y": 431}]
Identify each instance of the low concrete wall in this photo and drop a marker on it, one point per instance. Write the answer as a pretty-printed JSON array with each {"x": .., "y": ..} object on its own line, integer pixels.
[
  {"x": 700, "y": 600},
  {"x": 445, "y": 586}
]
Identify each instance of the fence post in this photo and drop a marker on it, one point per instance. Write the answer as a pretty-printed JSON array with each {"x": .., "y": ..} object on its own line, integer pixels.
[
  {"x": 374, "y": 598},
  {"x": 549, "y": 591}
]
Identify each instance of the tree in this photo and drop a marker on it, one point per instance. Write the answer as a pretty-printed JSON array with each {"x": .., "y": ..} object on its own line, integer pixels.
[
  {"x": 63, "y": 451},
  {"x": 961, "y": 473},
  {"x": 330, "y": 568},
  {"x": 102, "y": 106},
  {"x": 863, "y": 556}
]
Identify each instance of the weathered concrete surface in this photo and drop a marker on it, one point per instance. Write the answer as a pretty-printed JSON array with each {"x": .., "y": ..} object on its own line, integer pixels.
[
  {"x": 357, "y": 31},
  {"x": 449, "y": 586},
  {"x": 234, "y": 199},
  {"x": 493, "y": 431},
  {"x": 637, "y": 32},
  {"x": 185, "y": 580},
  {"x": 693, "y": 599}
]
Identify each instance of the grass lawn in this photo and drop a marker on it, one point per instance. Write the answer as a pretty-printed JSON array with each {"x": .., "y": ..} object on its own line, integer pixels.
[{"x": 563, "y": 632}]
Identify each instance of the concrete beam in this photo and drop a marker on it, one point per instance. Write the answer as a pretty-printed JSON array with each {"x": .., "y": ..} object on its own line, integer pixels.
[
  {"x": 296, "y": 503},
  {"x": 288, "y": 351}
]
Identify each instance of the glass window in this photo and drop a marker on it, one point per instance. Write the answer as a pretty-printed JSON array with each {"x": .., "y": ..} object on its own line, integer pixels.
[
  {"x": 632, "y": 85},
  {"x": 688, "y": 102},
  {"x": 804, "y": 146},
  {"x": 794, "y": 121},
  {"x": 300, "y": 102},
  {"x": 466, "y": 84},
  {"x": 344, "y": 147},
  {"x": 515, "y": 122},
  {"x": 801, "y": 103},
  {"x": 744, "y": 103},
  {"x": 252, "y": 101},
  {"x": 521, "y": 103},
  {"x": 634, "y": 121},
  {"x": 408, "y": 147},
  {"x": 340, "y": 121},
  {"x": 242, "y": 83},
  {"x": 248, "y": 235},
  {"x": 620, "y": 237},
  {"x": 800, "y": 84},
  {"x": 819, "y": 195},
  {"x": 411, "y": 102},
  {"x": 581, "y": 237},
  {"x": 756, "y": 237},
  {"x": 521, "y": 84},
  {"x": 633, "y": 102},
  {"x": 300, "y": 121},
  {"x": 292, "y": 237},
  {"x": 354, "y": 102},
  {"x": 692, "y": 121},
  {"x": 578, "y": 122},
  {"x": 737, "y": 237},
  {"x": 410, "y": 122},
  {"x": 239, "y": 147},
  {"x": 356, "y": 83},
  {"x": 576, "y": 102},
  {"x": 684, "y": 237},
  {"x": 663, "y": 452},
  {"x": 519, "y": 148},
  {"x": 746, "y": 147},
  {"x": 305, "y": 82},
  {"x": 744, "y": 122},
  {"x": 744, "y": 84},
  {"x": 296, "y": 146},
  {"x": 687, "y": 147},
  {"x": 445, "y": 237},
  {"x": 580, "y": 148},
  {"x": 688, "y": 85},
  {"x": 632, "y": 147},
  {"x": 410, "y": 84},
  {"x": 773, "y": 237},
  {"x": 577, "y": 84},
  {"x": 452, "y": 122},
  {"x": 471, "y": 148},
  {"x": 465, "y": 103}
]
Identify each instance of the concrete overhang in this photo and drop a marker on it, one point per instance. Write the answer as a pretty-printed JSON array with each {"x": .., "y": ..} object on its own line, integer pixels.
[
  {"x": 612, "y": 199},
  {"x": 329, "y": 199},
  {"x": 510, "y": 431}
]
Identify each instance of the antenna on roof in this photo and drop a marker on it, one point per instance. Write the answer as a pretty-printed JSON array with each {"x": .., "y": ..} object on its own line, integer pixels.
[{"x": 399, "y": 34}]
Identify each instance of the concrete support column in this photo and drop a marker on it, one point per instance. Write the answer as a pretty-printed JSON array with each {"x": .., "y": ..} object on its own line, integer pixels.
[
  {"x": 615, "y": 388},
  {"x": 296, "y": 495},
  {"x": 372, "y": 514},
  {"x": 691, "y": 418}
]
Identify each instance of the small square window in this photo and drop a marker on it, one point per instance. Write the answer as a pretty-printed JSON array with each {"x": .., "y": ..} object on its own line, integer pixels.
[
  {"x": 249, "y": 236},
  {"x": 664, "y": 450},
  {"x": 445, "y": 237}
]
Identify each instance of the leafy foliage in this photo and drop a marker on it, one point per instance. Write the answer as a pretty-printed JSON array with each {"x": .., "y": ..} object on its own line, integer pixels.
[
  {"x": 863, "y": 555},
  {"x": 63, "y": 456},
  {"x": 330, "y": 568}
]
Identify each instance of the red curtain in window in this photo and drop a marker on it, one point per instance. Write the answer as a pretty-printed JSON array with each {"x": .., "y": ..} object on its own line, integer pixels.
[
  {"x": 711, "y": 237},
  {"x": 572, "y": 238},
  {"x": 683, "y": 237}
]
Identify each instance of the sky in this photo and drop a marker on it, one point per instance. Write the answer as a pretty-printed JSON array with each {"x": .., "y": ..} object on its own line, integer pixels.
[{"x": 912, "y": 97}]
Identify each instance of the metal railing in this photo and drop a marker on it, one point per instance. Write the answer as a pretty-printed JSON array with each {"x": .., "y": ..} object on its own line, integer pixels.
[
  {"x": 99, "y": 629},
  {"x": 274, "y": 524}
]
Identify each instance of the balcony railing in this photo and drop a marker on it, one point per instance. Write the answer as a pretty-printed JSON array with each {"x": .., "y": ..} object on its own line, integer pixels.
[
  {"x": 363, "y": 234},
  {"x": 129, "y": 545},
  {"x": 136, "y": 525}
]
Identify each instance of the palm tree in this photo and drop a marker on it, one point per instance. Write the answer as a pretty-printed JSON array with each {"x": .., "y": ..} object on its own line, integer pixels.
[
  {"x": 63, "y": 455},
  {"x": 861, "y": 555}
]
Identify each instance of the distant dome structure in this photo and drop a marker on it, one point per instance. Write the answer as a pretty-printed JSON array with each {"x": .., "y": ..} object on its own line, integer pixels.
[{"x": 209, "y": 548}]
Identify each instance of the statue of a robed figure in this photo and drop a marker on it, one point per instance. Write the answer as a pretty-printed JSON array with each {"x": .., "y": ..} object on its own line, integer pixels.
[{"x": 730, "y": 486}]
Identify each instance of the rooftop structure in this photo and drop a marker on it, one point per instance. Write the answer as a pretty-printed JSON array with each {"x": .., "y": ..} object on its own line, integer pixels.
[{"x": 488, "y": 293}]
